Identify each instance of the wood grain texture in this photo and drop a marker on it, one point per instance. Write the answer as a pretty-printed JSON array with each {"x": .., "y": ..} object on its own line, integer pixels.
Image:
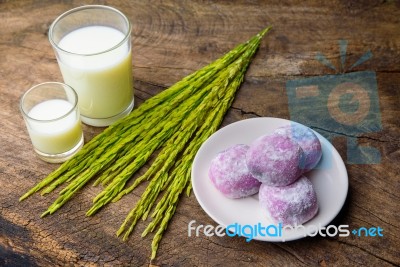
[{"x": 170, "y": 40}]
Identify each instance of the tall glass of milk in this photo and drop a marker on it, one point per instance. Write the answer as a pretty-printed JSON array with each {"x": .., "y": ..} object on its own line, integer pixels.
[
  {"x": 51, "y": 114},
  {"x": 93, "y": 49}
]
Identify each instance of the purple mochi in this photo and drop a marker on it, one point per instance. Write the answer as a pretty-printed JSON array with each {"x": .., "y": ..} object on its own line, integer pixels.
[
  {"x": 275, "y": 160},
  {"x": 292, "y": 205},
  {"x": 229, "y": 174},
  {"x": 307, "y": 140}
]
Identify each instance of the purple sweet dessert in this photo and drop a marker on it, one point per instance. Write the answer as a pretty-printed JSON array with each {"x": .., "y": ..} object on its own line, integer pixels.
[
  {"x": 293, "y": 205},
  {"x": 306, "y": 139},
  {"x": 275, "y": 160},
  {"x": 229, "y": 174}
]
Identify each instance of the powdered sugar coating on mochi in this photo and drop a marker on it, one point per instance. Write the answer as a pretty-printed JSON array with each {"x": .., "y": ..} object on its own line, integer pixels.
[
  {"x": 275, "y": 160},
  {"x": 306, "y": 139},
  {"x": 293, "y": 205},
  {"x": 229, "y": 174}
]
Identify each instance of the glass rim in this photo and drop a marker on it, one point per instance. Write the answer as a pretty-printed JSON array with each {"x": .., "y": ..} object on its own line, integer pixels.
[
  {"x": 26, "y": 115},
  {"x": 77, "y": 9}
]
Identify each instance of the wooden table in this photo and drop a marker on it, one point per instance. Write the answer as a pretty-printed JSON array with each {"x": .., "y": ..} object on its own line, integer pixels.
[{"x": 170, "y": 40}]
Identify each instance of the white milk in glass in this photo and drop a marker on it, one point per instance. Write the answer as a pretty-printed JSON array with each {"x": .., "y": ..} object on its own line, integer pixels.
[
  {"x": 102, "y": 78},
  {"x": 58, "y": 136}
]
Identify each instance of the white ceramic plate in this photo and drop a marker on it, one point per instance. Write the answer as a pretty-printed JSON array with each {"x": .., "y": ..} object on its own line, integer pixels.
[{"x": 329, "y": 179}]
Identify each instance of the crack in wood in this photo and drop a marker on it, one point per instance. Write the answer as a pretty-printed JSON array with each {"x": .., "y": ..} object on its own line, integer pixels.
[
  {"x": 369, "y": 253},
  {"x": 351, "y": 136},
  {"x": 290, "y": 253},
  {"x": 243, "y": 112}
]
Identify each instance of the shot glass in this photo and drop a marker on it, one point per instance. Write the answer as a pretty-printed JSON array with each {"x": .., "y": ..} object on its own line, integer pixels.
[
  {"x": 52, "y": 118},
  {"x": 93, "y": 48}
]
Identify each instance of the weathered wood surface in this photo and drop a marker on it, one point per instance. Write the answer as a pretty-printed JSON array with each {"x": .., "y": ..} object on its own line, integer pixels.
[{"x": 170, "y": 40}]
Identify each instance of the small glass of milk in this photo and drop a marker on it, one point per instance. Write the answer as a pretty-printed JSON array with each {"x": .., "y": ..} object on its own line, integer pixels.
[
  {"x": 52, "y": 118},
  {"x": 93, "y": 48}
]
